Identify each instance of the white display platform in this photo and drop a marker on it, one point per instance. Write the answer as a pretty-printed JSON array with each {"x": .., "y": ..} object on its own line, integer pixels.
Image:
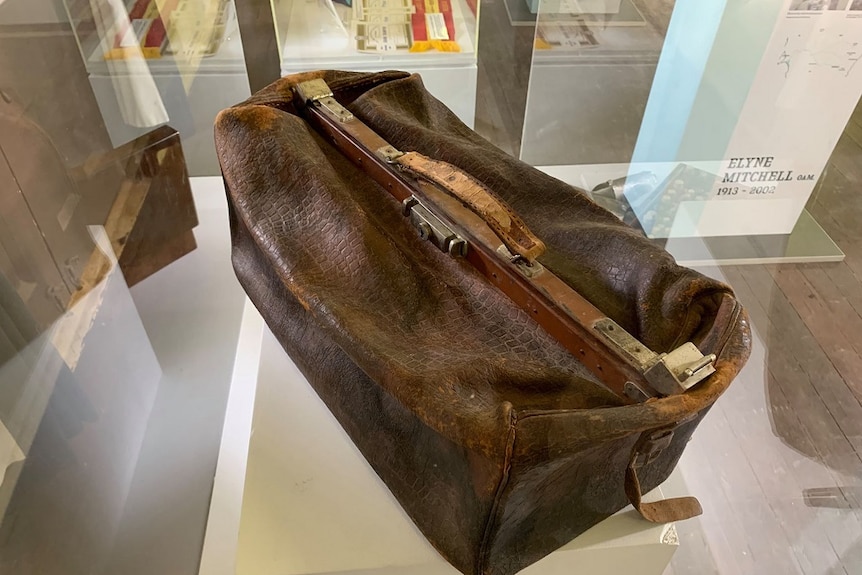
[{"x": 309, "y": 502}]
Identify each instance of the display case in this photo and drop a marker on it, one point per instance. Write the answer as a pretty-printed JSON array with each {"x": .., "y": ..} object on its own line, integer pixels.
[
  {"x": 591, "y": 77},
  {"x": 151, "y": 63},
  {"x": 697, "y": 114},
  {"x": 436, "y": 38},
  {"x": 181, "y": 62}
]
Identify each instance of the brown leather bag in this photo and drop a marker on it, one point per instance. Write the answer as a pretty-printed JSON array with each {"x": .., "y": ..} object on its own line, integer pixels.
[{"x": 498, "y": 443}]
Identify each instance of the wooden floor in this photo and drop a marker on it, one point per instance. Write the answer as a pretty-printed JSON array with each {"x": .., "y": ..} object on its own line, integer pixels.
[{"x": 776, "y": 464}]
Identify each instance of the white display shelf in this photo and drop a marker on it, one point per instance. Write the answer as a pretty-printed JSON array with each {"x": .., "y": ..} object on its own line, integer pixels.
[
  {"x": 193, "y": 89},
  {"x": 186, "y": 92},
  {"x": 313, "y": 39},
  {"x": 228, "y": 58}
]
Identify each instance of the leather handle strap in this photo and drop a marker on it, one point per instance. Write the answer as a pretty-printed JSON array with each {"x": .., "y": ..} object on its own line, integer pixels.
[
  {"x": 648, "y": 447},
  {"x": 482, "y": 201}
]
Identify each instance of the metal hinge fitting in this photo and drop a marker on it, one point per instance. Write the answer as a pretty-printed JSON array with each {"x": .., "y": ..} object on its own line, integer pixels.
[
  {"x": 667, "y": 373},
  {"x": 317, "y": 92}
]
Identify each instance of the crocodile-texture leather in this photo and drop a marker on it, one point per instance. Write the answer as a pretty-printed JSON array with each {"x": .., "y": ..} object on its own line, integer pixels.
[{"x": 495, "y": 440}]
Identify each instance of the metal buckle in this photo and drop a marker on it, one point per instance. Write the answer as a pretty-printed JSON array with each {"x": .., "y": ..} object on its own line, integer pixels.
[{"x": 650, "y": 449}]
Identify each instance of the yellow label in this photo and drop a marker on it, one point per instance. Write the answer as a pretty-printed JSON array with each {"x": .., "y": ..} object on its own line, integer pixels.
[{"x": 152, "y": 10}]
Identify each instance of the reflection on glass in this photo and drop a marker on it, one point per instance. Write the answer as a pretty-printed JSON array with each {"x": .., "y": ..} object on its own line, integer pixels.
[
  {"x": 716, "y": 102},
  {"x": 75, "y": 404},
  {"x": 140, "y": 104},
  {"x": 729, "y": 132},
  {"x": 105, "y": 107},
  {"x": 155, "y": 62}
]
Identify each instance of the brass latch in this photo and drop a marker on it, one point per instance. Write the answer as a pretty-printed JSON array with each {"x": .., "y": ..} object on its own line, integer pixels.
[
  {"x": 431, "y": 228},
  {"x": 667, "y": 373},
  {"x": 317, "y": 92}
]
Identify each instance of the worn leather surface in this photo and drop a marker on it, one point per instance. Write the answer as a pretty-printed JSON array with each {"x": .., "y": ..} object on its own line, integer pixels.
[{"x": 493, "y": 438}]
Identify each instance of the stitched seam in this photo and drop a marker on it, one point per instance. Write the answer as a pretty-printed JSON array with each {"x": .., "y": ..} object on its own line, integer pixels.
[
  {"x": 501, "y": 487},
  {"x": 729, "y": 330}
]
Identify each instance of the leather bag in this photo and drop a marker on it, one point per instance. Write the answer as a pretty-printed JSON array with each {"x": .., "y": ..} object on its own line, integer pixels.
[{"x": 497, "y": 442}]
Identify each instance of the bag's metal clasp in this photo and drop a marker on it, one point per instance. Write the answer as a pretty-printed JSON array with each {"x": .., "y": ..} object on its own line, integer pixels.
[
  {"x": 668, "y": 373},
  {"x": 680, "y": 369},
  {"x": 389, "y": 154},
  {"x": 317, "y": 92},
  {"x": 527, "y": 269},
  {"x": 431, "y": 228}
]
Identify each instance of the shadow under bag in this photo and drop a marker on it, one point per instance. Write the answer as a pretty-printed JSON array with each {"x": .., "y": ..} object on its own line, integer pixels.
[{"x": 498, "y": 442}]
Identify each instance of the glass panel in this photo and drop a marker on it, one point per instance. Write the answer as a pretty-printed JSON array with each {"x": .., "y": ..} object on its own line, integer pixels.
[
  {"x": 705, "y": 126},
  {"x": 437, "y": 38},
  {"x": 150, "y": 422},
  {"x": 593, "y": 67},
  {"x": 154, "y": 62},
  {"x": 119, "y": 310},
  {"x": 71, "y": 436},
  {"x": 729, "y": 132}
]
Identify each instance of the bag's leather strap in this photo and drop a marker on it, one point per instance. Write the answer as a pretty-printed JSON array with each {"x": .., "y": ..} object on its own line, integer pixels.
[
  {"x": 511, "y": 230},
  {"x": 649, "y": 445}
]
